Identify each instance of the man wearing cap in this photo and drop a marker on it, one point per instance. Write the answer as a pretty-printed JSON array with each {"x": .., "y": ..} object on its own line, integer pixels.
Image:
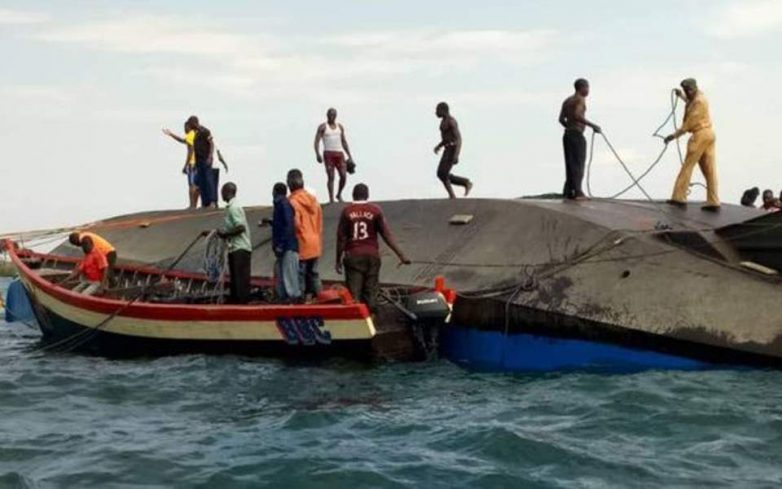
[{"x": 700, "y": 147}]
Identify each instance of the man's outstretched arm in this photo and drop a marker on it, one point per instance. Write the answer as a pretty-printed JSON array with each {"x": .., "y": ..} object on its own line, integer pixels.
[
  {"x": 391, "y": 242},
  {"x": 173, "y": 136}
]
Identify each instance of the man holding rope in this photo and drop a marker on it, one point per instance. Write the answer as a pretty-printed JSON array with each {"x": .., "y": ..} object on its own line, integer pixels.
[
  {"x": 571, "y": 116},
  {"x": 700, "y": 147},
  {"x": 236, "y": 233}
]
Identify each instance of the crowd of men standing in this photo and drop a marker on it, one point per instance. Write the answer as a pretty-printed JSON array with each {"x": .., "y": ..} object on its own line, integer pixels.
[
  {"x": 297, "y": 220},
  {"x": 297, "y": 223},
  {"x": 297, "y": 243}
]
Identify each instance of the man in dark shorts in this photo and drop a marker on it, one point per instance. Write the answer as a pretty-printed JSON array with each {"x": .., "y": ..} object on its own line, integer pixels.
[
  {"x": 359, "y": 226},
  {"x": 571, "y": 116},
  {"x": 332, "y": 134},
  {"x": 203, "y": 148},
  {"x": 451, "y": 141}
]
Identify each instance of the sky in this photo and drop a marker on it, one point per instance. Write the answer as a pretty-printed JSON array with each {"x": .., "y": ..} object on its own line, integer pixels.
[{"x": 86, "y": 87}]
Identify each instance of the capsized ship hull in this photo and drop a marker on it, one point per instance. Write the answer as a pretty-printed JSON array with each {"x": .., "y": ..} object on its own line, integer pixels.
[{"x": 639, "y": 276}]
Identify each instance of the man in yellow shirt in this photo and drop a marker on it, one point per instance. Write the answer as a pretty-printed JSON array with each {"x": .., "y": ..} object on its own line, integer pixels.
[
  {"x": 700, "y": 147},
  {"x": 190, "y": 166}
]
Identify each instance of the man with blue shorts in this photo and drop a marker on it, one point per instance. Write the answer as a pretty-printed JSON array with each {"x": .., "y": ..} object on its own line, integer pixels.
[{"x": 190, "y": 164}]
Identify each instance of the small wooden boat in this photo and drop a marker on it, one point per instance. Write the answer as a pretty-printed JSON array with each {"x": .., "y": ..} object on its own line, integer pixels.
[{"x": 151, "y": 312}]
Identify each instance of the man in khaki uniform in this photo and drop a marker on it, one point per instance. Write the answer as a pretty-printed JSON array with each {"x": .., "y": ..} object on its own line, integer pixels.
[{"x": 700, "y": 147}]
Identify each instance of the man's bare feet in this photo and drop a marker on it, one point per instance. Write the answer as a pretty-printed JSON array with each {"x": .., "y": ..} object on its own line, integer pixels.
[{"x": 467, "y": 188}]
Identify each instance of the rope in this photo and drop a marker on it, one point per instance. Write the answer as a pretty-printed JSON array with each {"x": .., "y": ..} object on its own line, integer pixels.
[
  {"x": 214, "y": 257},
  {"x": 657, "y": 134},
  {"x": 216, "y": 263}
]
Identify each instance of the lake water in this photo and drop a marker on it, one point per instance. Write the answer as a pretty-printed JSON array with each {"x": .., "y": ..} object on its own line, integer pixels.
[{"x": 229, "y": 422}]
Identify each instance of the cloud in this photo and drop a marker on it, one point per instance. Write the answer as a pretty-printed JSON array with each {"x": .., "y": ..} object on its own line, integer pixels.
[
  {"x": 747, "y": 18},
  {"x": 34, "y": 93},
  {"x": 147, "y": 34},
  {"x": 459, "y": 43},
  {"x": 245, "y": 62},
  {"x": 21, "y": 17}
]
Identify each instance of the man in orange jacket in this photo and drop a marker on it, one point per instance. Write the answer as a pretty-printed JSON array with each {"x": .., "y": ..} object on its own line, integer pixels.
[{"x": 308, "y": 221}]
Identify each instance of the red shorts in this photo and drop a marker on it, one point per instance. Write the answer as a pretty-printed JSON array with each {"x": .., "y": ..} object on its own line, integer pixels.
[{"x": 334, "y": 159}]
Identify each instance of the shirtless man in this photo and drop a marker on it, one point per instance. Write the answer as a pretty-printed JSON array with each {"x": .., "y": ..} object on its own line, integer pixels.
[
  {"x": 571, "y": 116},
  {"x": 334, "y": 143},
  {"x": 451, "y": 140}
]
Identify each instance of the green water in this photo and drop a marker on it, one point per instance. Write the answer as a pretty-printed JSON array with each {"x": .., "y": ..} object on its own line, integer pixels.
[{"x": 226, "y": 422}]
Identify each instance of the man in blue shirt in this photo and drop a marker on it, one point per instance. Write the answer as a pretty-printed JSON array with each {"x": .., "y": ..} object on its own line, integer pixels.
[{"x": 285, "y": 246}]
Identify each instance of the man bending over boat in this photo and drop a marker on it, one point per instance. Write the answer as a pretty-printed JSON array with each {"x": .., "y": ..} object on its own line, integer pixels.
[
  {"x": 359, "y": 226},
  {"x": 236, "y": 233},
  {"x": 91, "y": 270},
  {"x": 572, "y": 117},
  {"x": 285, "y": 246},
  {"x": 308, "y": 220},
  {"x": 700, "y": 147},
  {"x": 101, "y": 245}
]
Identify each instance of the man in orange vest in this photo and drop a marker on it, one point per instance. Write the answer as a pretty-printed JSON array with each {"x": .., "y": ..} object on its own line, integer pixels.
[{"x": 101, "y": 245}]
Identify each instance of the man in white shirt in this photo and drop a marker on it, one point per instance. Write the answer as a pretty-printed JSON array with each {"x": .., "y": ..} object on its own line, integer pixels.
[{"x": 335, "y": 146}]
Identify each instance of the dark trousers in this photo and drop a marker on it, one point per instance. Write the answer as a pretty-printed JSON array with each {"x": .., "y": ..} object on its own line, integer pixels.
[
  {"x": 239, "y": 268},
  {"x": 575, "y": 146},
  {"x": 362, "y": 274},
  {"x": 445, "y": 167},
  {"x": 206, "y": 184},
  {"x": 309, "y": 277}
]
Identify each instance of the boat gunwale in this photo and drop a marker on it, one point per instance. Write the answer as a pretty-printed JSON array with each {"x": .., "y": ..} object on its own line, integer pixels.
[{"x": 176, "y": 312}]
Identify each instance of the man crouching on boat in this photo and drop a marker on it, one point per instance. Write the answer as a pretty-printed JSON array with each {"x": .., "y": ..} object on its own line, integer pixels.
[
  {"x": 236, "y": 233},
  {"x": 91, "y": 270},
  {"x": 102, "y": 246}
]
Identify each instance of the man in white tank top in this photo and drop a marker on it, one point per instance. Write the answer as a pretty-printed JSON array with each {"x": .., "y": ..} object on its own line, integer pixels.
[{"x": 335, "y": 145}]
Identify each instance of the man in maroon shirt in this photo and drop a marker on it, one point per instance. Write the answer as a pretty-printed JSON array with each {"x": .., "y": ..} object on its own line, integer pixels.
[{"x": 359, "y": 226}]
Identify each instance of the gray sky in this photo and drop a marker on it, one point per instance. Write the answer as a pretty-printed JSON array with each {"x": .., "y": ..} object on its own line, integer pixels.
[{"x": 86, "y": 87}]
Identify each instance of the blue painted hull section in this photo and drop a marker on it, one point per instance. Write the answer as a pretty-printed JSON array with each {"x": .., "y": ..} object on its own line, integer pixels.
[
  {"x": 17, "y": 303},
  {"x": 493, "y": 351}
]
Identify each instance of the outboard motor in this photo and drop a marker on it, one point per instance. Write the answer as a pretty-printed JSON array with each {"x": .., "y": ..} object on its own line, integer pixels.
[
  {"x": 428, "y": 310},
  {"x": 428, "y": 305}
]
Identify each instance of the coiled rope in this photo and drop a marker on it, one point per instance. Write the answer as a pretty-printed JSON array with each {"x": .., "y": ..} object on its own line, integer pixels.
[
  {"x": 671, "y": 117},
  {"x": 216, "y": 263}
]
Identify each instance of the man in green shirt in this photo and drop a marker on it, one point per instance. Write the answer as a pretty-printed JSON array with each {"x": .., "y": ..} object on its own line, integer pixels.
[{"x": 236, "y": 233}]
